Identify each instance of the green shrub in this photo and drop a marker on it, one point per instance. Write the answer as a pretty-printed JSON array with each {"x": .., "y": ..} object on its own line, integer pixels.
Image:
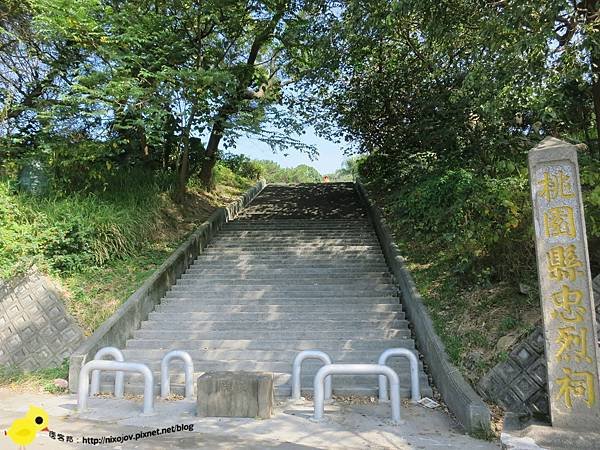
[
  {"x": 243, "y": 166},
  {"x": 68, "y": 233},
  {"x": 474, "y": 216}
]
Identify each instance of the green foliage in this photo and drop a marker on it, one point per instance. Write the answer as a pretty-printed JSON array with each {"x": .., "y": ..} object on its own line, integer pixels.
[
  {"x": 274, "y": 173},
  {"x": 105, "y": 92},
  {"x": 243, "y": 166},
  {"x": 69, "y": 233},
  {"x": 473, "y": 216},
  {"x": 590, "y": 184},
  {"x": 349, "y": 170}
]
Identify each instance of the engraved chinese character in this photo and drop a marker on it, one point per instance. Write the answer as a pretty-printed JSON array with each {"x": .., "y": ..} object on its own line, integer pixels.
[
  {"x": 578, "y": 384},
  {"x": 563, "y": 263},
  {"x": 568, "y": 304},
  {"x": 571, "y": 339},
  {"x": 556, "y": 186},
  {"x": 560, "y": 221}
]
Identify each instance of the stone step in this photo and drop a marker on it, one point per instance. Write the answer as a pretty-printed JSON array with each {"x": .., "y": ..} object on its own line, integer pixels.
[
  {"x": 293, "y": 250},
  {"x": 343, "y": 246},
  {"x": 279, "y": 273},
  {"x": 365, "y": 289},
  {"x": 359, "y": 325},
  {"x": 303, "y": 235},
  {"x": 254, "y": 273},
  {"x": 301, "y": 268},
  {"x": 300, "y": 279},
  {"x": 283, "y": 367},
  {"x": 153, "y": 356},
  {"x": 368, "y": 387},
  {"x": 326, "y": 345},
  {"x": 301, "y": 316},
  {"x": 258, "y": 298},
  {"x": 291, "y": 241},
  {"x": 248, "y": 226},
  {"x": 342, "y": 384},
  {"x": 291, "y": 335},
  {"x": 200, "y": 306},
  {"x": 284, "y": 266},
  {"x": 254, "y": 222},
  {"x": 250, "y": 260},
  {"x": 248, "y": 216}
]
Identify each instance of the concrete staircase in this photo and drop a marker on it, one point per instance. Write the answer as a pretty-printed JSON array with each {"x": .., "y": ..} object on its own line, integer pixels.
[{"x": 301, "y": 268}]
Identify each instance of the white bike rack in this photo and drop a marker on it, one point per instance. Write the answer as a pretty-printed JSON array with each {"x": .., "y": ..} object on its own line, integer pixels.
[
  {"x": 165, "y": 380},
  {"x": 415, "y": 391},
  {"x": 356, "y": 369},
  {"x": 119, "y": 376},
  {"x": 297, "y": 369},
  {"x": 116, "y": 366}
]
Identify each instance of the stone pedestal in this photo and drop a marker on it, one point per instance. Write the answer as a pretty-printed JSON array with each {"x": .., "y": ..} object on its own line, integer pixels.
[{"x": 235, "y": 394}]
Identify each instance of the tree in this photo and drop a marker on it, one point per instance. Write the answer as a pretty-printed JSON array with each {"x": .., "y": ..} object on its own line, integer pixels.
[
  {"x": 454, "y": 82},
  {"x": 183, "y": 71}
]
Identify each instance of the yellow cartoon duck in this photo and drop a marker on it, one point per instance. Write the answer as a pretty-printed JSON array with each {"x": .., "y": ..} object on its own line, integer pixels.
[{"x": 23, "y": 430}]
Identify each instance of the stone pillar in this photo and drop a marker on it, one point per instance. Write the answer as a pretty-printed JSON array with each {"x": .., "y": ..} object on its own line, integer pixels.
[{"x": 565, "y": 286}]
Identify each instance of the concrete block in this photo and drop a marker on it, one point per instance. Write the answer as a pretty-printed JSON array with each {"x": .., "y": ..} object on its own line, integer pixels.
[
  {"x": 235, "y": 394},
  {"x": 33, "y": 322},
  {"x": 524, "y": 355}
]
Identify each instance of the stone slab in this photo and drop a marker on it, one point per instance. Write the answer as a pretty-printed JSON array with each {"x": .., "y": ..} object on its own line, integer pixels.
[
  {"x": 535, "y": 435},
  {"x": 235, "y": 394}
]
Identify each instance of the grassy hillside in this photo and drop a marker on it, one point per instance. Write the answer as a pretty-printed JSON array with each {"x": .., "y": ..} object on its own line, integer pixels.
[{"x": 101, "y": 246}]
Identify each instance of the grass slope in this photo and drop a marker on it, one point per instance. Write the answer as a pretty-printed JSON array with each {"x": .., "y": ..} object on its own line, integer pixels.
[{"x": 100, "y": 247}]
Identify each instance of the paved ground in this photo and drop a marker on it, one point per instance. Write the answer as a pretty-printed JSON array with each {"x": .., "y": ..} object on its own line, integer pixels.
[{"x": 346, "y": 426}]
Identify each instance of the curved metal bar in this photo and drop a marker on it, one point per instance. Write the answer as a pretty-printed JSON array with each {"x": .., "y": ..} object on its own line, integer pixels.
[
  {"x": 415, "y": 391},
  {"x": 119, "y": 376},
  {"x": 356, "y": 369},
  {"x": 297, "y": 369},
  {"x": 84, "y": 375},
  {"x": 165, "y": 379}
]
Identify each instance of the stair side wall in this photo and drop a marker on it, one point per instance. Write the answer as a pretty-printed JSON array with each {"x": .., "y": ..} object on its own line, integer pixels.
[
  {"x": 462, "y": 400},
  {"x": 119, "y": 327}
]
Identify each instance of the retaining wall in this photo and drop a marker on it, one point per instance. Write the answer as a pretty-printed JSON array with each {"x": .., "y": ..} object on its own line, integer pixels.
[{"x": 458, "y": 395}]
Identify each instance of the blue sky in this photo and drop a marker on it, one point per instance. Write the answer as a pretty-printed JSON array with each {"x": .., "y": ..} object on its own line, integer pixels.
[{"x": 329, "y": 159}]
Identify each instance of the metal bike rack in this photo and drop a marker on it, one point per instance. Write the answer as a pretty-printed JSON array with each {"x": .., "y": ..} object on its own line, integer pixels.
[
  {"x": 415, "y": 391},
  {"x": 297, "y": 368},
  {"x": 165, "y": 380},
  {"x": 356, "y": 369},
  {"x": 119, "y": 376},
  {"x": 114, "y": 366}
]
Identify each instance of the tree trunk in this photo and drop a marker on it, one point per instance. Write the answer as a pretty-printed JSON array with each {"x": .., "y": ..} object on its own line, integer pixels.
[
  {"x": 591, "y": 19},
  {"x": 210, "y": 155},
  {"x": 231, "y": 106},
  {"x": 184, "y": 166},
  {"x": 596, "y": 95}
]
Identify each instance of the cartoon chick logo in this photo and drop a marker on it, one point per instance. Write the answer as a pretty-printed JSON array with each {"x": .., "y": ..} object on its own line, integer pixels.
[{"x": 22, "y": 431}]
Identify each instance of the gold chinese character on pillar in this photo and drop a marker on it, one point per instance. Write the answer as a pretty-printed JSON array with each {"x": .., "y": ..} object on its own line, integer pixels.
[
  {"x": 568, "y": 312},
  {"x": 563, "y": 263},
  {"x": 560, "y": 221},
  {"x": 556, "y": 185},
  {"x": 572, "y": 340},
  {"x": 568, "y": 305},
  {"x": 576, "y": 384}
]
